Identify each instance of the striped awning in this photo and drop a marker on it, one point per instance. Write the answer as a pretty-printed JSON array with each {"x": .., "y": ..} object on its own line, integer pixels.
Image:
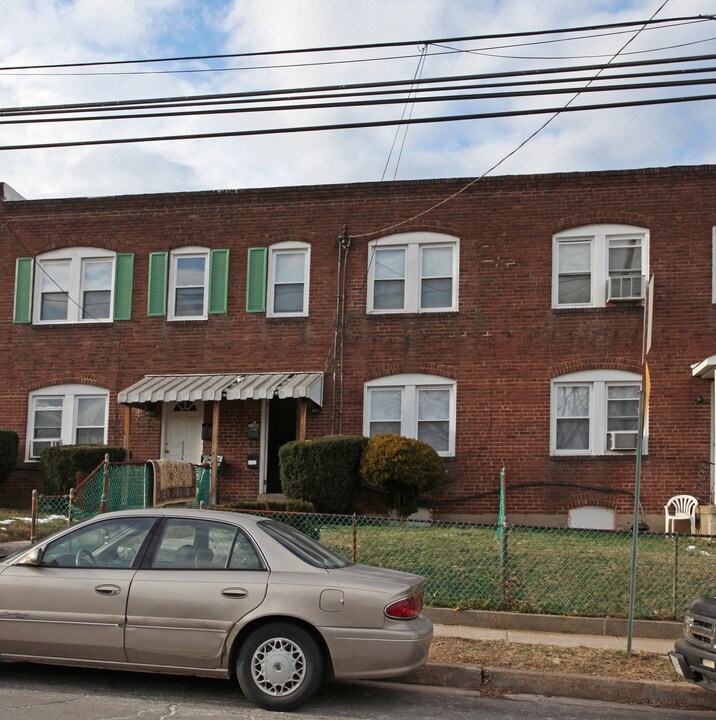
[
  {"x": 278, "y": 385},
  {"x": 234, "y": 386}
]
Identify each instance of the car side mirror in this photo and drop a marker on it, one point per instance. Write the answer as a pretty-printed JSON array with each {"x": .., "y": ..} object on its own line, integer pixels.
[{"x": 34, "y": 557}]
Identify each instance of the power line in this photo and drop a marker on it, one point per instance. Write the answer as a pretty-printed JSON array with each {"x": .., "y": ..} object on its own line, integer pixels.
[
  {"x": 353, "y": 104},
  {"x": 366, "y": 46},
  {"x": 533, "y": 72},
  {"x": 360, "y": 125}
]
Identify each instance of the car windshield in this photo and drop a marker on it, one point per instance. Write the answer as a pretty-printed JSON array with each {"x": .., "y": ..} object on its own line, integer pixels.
[{"x": 303, "y": 546}]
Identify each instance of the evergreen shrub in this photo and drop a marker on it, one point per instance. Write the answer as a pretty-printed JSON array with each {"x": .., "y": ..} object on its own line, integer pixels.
[
  {"x": 404, "y": 468},
  {"x": 60, "y": 464},
  {"x": 324, "y": 471}
]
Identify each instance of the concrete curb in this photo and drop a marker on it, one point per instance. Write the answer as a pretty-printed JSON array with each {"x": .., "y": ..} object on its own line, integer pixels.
[
  {"x": 617, "y": 627},
  {"x": 585, "y": 687}
]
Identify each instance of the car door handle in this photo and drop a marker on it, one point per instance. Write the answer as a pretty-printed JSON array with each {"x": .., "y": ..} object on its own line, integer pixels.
[
  {"x": 108, "y": 589},
  {"x": 234, "y": 593}
]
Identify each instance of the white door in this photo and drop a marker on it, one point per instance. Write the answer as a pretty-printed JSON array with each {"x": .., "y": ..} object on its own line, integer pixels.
[{"x": 182, "y": 431}]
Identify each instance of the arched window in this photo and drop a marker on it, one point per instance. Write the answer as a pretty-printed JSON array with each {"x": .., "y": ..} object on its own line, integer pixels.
[
  {"x": 412, "y": 405},
  {"x": 74, "y": 285},
  {"x": 413, "y": 272},
  {"x": 288, "y": 273},
  {"x": 595, "y": 412},
  {"x": 596, "y": 264},
  {"x": 66, "y": 415}
]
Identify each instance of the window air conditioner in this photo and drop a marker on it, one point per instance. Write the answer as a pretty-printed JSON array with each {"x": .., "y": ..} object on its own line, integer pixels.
[
  {"x": 625, "y": 288},
  {"x": 622, "y": 439},
  {"x": 55, "y": 443}
]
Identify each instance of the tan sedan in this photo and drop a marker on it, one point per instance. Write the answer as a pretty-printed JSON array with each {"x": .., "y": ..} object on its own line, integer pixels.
[{"x": 210, "y": 593}]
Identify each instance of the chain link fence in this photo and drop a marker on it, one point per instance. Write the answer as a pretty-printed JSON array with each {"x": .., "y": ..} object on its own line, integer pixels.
[
  {"x": 112, "y": 486},
  {"x": 467, "y": 566},
  {"x": 524, "y": 569}
]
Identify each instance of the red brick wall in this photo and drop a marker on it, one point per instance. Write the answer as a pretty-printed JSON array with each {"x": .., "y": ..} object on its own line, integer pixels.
[{"x": 502, "y": 347}]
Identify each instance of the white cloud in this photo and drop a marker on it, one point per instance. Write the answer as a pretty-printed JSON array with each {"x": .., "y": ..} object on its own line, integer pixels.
[{"x": 52, "y": 31}]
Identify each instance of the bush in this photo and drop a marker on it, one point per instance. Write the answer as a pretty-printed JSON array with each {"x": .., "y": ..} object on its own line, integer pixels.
[
  {"x": 404, "y": 468},
  {"x": 9, "y": 444},
  {"x": 59, "y": 464},
  {"x": 324, "y": 471}
]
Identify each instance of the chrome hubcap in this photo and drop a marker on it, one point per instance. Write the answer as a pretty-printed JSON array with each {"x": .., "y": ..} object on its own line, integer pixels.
[{"x": 278, "y": 666}]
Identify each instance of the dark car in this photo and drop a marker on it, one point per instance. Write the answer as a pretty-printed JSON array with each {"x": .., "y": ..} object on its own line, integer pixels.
[{"x": 694, "y": 655}]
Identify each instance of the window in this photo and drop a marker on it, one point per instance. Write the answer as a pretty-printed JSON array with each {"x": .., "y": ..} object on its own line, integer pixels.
[
  {"x": 413, "y": 272},
  {"x": 599, "y": 263},
  {"x": 417, "y": 406},
  {"x": 277, "y": 279},
  {"x": 288, "y": 266},
  {"x": 112, "y": 543},
  {"x": 66, "y": 415},
  {"x": 191, "y": 283},
  {"x": 595, "y": 412},
  {"x": 188, "y": 284},
  {"x": 302, "y": 546},
  {"x": 74, "y": 285},
  {"x": 188, "y": 544}
]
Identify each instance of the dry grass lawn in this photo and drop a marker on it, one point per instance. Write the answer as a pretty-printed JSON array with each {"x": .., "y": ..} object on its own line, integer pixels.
[{"x": 579, "y": 660}]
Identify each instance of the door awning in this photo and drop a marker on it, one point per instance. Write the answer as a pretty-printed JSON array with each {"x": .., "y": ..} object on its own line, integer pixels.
[
  {"x": 278, "y": 385},
  {"x": 233, "y": 386},
  {"x": 705, "y": 368}
]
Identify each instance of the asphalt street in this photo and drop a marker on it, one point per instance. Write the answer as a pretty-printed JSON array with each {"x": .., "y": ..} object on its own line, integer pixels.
[{"x": 36, "y": 692}]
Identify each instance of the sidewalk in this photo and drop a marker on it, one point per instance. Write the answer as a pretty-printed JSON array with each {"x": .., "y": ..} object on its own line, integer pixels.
[
  {"x": 651, "y": 645},
  {"x": 648, "y": 636}
]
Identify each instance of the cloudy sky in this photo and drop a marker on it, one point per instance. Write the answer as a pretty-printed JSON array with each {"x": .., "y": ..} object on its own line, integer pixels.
[{"x": 50, "y": 32}]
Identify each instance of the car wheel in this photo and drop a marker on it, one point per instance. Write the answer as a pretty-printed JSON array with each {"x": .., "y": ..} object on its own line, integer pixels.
[{"x": 280, "y": 666}]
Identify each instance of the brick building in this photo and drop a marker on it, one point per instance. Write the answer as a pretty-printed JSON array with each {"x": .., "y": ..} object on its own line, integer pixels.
[{"x": 504, "y": 326}]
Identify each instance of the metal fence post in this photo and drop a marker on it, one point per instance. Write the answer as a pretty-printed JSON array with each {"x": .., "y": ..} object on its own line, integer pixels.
[
  {"x": 105, "y": 485},
  {"x": 676, "y": 573},
  {"x": 70, "y": 505},
  {"x": 355, "y": 538},
  {"x": 33, "y": 521},
  {"x": 505, "y": 593}
]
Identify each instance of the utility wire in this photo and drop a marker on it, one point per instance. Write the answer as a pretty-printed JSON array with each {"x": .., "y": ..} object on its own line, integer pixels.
[
  {"x": 353, "y": 104},
  {"x": 359, "y": 125},
  {"x": 549, "y": 72},
  {"x": 568, "y": 107},
  {"x": 366, "y": 46}
]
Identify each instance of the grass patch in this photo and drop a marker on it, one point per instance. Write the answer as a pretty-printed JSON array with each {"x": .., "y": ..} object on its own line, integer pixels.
[
  {"x": 550, "y": 571},
  {"x": 15, "y": 525}
]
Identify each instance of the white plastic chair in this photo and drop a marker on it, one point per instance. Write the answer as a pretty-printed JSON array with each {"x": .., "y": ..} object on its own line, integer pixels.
[{"x": 680, "y": 507}]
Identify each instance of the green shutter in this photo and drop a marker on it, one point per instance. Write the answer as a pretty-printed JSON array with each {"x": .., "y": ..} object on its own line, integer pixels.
[
  {"x": 123, "y": 284},
  {"x": 157, "y": 292},
  {"x": 218, "y": 282},
  {"x": 256, "y": 280},
  {"x": 24, "y": 268}
]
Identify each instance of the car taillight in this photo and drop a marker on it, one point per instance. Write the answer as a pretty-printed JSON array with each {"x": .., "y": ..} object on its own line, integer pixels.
[{"x": 405, "y": 609}]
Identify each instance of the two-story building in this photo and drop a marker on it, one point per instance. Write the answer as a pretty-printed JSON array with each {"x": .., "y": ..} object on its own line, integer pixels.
[{"x": 501, "y": 321}]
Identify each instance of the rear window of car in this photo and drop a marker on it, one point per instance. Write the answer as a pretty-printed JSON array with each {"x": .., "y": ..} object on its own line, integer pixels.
[{"x": 303, "y": 546}]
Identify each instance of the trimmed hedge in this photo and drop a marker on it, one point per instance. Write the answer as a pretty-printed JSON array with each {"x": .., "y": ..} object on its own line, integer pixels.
[
  {"x": 324, "y": 471},
  {"x": 404, "y": 468},
  {"x": 59, "y": 464},
  {"x": 9, "y": 444}
]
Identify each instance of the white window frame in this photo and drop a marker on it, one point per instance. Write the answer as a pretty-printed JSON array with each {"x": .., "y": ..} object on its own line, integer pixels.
[
  {"x": 598, "y": 237},
  {"x": 410, "y": 384},
  {"x": 598, "y": 382},
  {"x": 413, "y": 243},
  {"x": 288, "y": 247},
  {"x": 175, "y": 256},
  {"x": 70, "y": 395},
  {"x": 76, "y": 257}
]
